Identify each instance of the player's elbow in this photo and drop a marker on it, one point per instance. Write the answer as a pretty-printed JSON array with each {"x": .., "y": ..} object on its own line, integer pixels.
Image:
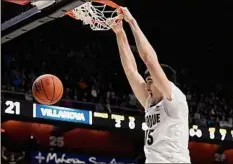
[
  {"x": 130, "y": 68},
  {"x": 145, "y": 49},
  {"x": 130, "y": 71},
  {"x": 151, "y": 62}
]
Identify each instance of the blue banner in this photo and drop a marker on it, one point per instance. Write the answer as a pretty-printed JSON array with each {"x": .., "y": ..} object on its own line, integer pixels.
[
  {"x": 63, "y": 158},
  {"x": 62, "y": 114}
]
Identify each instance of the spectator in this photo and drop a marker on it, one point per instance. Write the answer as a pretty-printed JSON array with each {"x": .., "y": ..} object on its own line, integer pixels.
[
  {"x": 132, "y": 100},
  {"x": 83, "y": 71},
  {"x": 94, "y": 94}
]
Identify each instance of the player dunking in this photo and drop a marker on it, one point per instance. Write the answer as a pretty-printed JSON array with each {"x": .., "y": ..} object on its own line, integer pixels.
[{"x": 166, "y": 109}]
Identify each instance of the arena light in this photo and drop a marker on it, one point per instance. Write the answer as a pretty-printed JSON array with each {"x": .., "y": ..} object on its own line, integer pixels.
[
  {"x": 118, "y": 119},
  {"x": 101, "y": 115},
  {"x": 195, "y": 131},
  {"x": 191, "y": 132},
  {"x": 195, "y": 127},
  {"x": 223, "y": 133},
  {"x": 144, "y": 126},
  {"x": 131, "y": 122},
  {"x": 199, "y": 133},
  {"x": 211, "y": 132}
]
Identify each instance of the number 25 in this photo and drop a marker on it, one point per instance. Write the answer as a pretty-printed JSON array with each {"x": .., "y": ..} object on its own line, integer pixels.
[
  {"x": 56, "y": 141},
  {"x": 12, "y": 107}
]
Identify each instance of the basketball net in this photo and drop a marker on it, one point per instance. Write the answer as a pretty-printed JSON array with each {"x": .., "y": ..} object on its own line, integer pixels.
[{"x": 95, "y": 14}]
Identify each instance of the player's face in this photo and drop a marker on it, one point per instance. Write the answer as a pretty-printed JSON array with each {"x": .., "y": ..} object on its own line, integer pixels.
[
  {"x": 150, "y": 86},
  {"x": 152, "y": 90}
]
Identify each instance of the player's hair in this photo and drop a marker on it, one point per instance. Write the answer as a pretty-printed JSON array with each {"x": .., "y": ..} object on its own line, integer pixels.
[{"x": 168, "y": 70}]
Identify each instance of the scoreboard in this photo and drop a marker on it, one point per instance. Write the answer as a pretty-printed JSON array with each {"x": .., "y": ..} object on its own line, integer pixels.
[
  {"x": 38, "y": 112},
  {"x": 70, "y": 115},
  {"x": 16, "y": 108}
]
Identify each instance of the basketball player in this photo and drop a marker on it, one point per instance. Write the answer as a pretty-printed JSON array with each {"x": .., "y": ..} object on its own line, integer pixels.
[{"x": 166, "y": 109}]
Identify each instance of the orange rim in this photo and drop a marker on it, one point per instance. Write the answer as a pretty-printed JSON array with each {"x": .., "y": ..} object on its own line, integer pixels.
[
  {"x": 71, "y": 14},
  {"x": 107, "y": 2}
]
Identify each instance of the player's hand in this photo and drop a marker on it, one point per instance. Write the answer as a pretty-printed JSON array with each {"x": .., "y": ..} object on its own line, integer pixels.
[
  {"x": 127, "y": 15},
  {"x": 116, "y": 23}
]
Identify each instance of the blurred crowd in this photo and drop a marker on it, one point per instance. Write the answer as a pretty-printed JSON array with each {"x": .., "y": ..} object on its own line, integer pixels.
[
  {"x": 89, "y": 76},
  {"x": 210, "y": 109},
  {"x": 81, "y": 83}
]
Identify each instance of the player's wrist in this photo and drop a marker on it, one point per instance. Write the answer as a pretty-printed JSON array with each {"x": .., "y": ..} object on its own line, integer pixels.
[
  {"x": 131, "y": 21},
  {"x": 119, "y": 31}
]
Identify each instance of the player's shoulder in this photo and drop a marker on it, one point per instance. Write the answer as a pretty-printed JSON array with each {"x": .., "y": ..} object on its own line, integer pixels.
[
  {"x": 176, "y": 92},
  {"x": 178, "y": 104},
  {"x": 177, "y": 95}
]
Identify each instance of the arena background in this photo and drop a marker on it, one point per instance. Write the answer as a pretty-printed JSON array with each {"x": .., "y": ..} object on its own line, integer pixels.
[{"x": 195, "y": 38}]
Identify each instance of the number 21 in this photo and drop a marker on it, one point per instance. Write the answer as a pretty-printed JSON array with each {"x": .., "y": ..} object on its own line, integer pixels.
[{"x": 12, "y": 107}]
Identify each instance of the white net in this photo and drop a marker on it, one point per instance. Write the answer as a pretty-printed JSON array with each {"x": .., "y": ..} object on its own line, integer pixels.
[{"x": 95, "y": 15}]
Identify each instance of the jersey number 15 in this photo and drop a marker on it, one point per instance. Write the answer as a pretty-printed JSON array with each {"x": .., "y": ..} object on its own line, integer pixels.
[{"x": 149, "y": 137}]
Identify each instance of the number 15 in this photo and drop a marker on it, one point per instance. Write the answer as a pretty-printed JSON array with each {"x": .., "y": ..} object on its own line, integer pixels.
[{"x": 148, "y": 137}]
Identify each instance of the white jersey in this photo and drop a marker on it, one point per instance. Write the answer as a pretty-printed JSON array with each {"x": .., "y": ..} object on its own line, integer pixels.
[{"x": 167, "y": 136}]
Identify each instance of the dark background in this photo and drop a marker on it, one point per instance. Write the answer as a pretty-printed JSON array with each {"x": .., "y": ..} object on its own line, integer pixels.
[{"x": 194, "y": 37}]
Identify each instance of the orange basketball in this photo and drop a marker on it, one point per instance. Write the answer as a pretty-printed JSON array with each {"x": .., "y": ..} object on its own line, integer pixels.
[{"x": 47, "y": 89}]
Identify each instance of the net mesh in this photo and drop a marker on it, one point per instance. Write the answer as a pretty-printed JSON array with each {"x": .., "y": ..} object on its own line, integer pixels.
[{"x": 95, "y": 15}]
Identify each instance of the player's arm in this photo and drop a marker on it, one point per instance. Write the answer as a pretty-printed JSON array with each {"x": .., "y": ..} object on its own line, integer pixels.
[
  {"x": 128, "y": 62},
  {"x": 149, "y": 56}
]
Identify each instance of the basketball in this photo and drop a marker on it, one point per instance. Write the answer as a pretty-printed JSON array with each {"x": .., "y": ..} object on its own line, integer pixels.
[{"x": 47, "y": 89}]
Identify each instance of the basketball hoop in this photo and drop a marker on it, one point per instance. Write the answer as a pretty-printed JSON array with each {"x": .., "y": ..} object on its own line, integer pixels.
[{"x": 95, "y": 13}]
